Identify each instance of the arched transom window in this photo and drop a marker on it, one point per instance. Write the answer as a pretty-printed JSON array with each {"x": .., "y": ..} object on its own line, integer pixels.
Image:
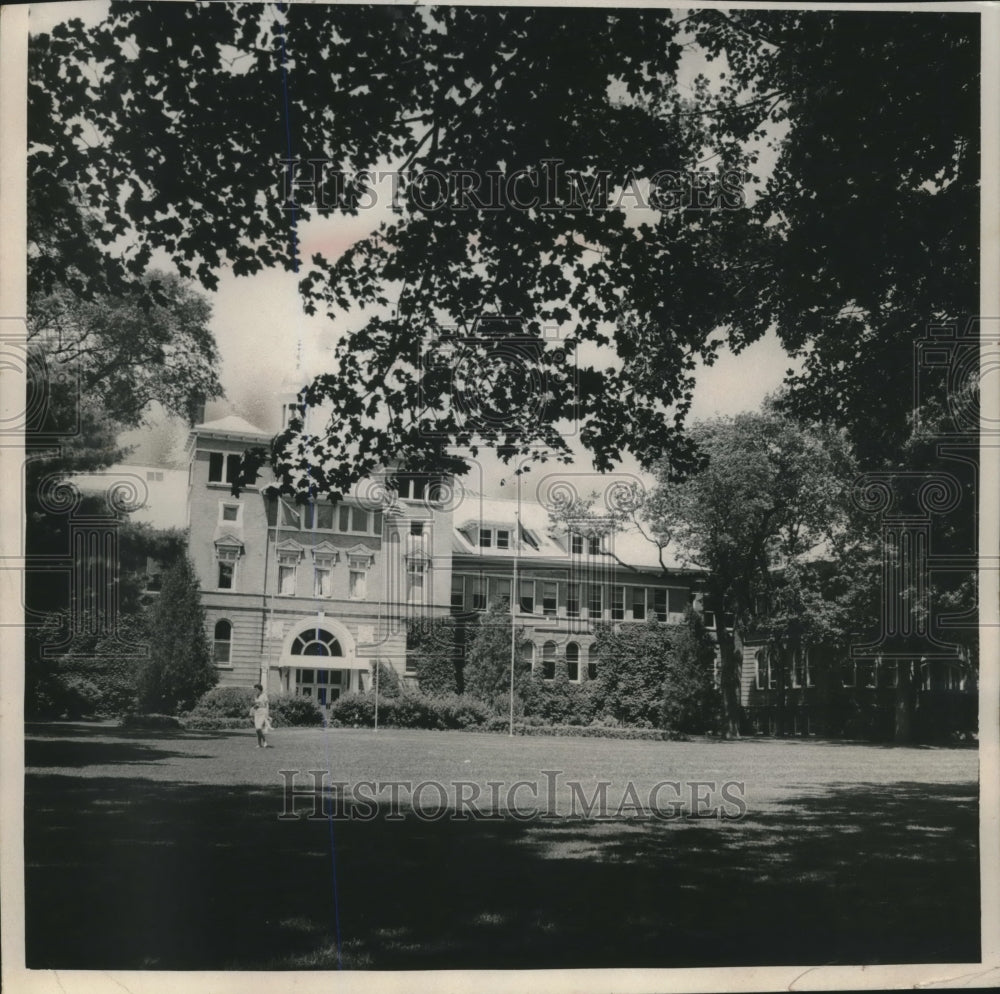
[{"x": 316, "y": 642}]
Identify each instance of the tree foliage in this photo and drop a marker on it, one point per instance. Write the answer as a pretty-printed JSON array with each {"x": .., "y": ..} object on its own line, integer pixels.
[
  {"x": 770, "y": 495},
  {"x": 150, "y": 342},
  {"x": 180, "y": 667},
  {"x": 432, "y": 646},
  {"x": 632, "y": 668},
  {"x": 857, "y": 132},
  {"x": 487, "y": 669}
]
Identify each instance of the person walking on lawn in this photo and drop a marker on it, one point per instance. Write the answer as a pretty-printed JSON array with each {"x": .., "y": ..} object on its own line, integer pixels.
[{"x": 260, "y": 711}]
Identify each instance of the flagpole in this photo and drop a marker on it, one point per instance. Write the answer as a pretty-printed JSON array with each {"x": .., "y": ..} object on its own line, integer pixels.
[{"x": 514, "y": 600}]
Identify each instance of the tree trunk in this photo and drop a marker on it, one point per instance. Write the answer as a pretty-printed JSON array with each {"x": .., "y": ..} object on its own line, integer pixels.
[
  {"x": 906, "y": 698},
  {"x": 731, "y": 652}
]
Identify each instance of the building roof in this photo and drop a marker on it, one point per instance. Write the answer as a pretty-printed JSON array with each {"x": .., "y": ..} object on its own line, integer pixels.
[
  {"x": 541, "y": 539},
  {"x": 231, "y": 424}
]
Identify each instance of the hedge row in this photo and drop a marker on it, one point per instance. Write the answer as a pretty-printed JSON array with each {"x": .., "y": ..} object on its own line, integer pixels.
[
  {"x": 601, "y": 732},
  {"x": 409, "y": 710},
  {"x": 229, "y": 707}
]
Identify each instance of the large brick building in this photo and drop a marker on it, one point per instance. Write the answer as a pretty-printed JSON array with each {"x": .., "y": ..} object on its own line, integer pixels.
[{"x": 306, "y": 597}]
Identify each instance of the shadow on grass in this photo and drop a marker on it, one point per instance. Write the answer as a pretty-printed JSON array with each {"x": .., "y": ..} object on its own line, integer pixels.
[{"x": 135, "y": 874}]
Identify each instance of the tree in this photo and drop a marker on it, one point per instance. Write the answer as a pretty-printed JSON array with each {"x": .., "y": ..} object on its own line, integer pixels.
[
  {"x": 180, "y": 667},
  {"x": 690, "y": 701},
  {"x": 863, "y": 230},
  {"x": 487, "y": 670},
  {"x": 150, "y": 342},
  {"x": 770, "y": 493},
  {"x": 432, "y": 646}
]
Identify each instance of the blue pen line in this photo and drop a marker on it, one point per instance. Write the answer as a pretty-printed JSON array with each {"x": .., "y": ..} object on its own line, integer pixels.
[{"x": 295, "y": 269}]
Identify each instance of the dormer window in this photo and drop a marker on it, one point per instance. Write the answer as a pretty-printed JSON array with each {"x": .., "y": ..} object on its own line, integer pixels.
[
  {"x": 485, "y": 538},
  {"x": 594, "y": 545},
  {"x": 576, "y": 545},
  {"x": 503, "y": 538}
]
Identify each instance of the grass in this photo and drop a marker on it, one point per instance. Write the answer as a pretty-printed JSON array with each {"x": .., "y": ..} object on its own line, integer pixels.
[{"x": 165, "y": 850}]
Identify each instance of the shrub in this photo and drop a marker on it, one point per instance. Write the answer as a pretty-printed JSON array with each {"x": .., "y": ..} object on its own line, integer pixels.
[
  {"x": 410, "y": 710},
  {"x": 293, "y": 710},
  {"x": 225, "y": 702},
  {"x": 150, "y": 721},
  {"x": 559, "y": 701},
  {"x": 388, "y": 679}
]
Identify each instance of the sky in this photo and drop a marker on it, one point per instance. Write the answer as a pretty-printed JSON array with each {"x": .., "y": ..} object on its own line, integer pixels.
[{"x": 267, "y": 343}]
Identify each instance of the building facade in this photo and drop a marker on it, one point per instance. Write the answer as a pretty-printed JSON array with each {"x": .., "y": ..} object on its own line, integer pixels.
[{"x": 304, "y": 598}]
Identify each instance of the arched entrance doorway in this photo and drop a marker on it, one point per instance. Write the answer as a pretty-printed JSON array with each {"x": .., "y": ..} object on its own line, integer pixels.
[{"x": 318, "y": 661}]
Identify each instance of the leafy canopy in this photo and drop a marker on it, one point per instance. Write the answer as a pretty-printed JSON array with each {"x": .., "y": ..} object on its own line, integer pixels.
[{"x": 857, "y": 132}]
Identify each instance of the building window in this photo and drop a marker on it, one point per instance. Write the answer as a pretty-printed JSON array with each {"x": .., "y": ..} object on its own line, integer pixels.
[
  {"x": 485, "y": 538},
  {"x": 458, "y": 592},
  {"x": 573, "y": 600},
  {"x": 760, "y": 669},
  {"x": 478, "y": 593},
  {"x": 290, "y": 514},
  {"x": 660, "y": 605},
  {"x": 416, "y": 528},
  {"x": 223, "y": 643},
  {"x": 288, "y": 563},
  {"x": 709, "y": 619},
  {"x": 500, "y": 591},
  {"x": 233, "y": 468},
  {"x": 416, "y": 570},
  {"x": 230, "y": 513},
  {"x": 322, "y": 579},
  {"x": 527, "y": 596},
  {"x": 358, "y": 567},
  {"x": 316, "y": 642},
  {"x": 678, "y": 600},
  {"x": 414, "y": 487},
  {"x": 594, "y": 545},
  {"x": 891, "y": 671},
  {"x": 320, "y": 517},
  {"x": 503, "y": 538},
  {"x": 227, "y": 557},
  {"x": 807, "y": 667},
  {"x": 772, "y": 672},
  {"x": 550, "y": 590},
  {"x": 848, "y": 676},
  {"x": 638, "y": 603},
  {"x": 617, "y": 603},
  {"x": 358, "y": 584},
  {"x": 154, "y": 476},
  {"x": 573, "y": 661},
  {"x": 355, "y": 520},
  {"x": 549, "y": 661},
  {"x": 595, "y": 603},
  {"x": 576, "y": 545},
  {"x": 798, "y": 665},
  {"x": 591, "y": 663},
  {"x": 216, "y": 462},
  {"x": 528, "y": 654}
]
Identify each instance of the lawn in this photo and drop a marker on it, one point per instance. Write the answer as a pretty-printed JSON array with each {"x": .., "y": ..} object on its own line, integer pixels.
[{"x": 166, "y": 851}]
